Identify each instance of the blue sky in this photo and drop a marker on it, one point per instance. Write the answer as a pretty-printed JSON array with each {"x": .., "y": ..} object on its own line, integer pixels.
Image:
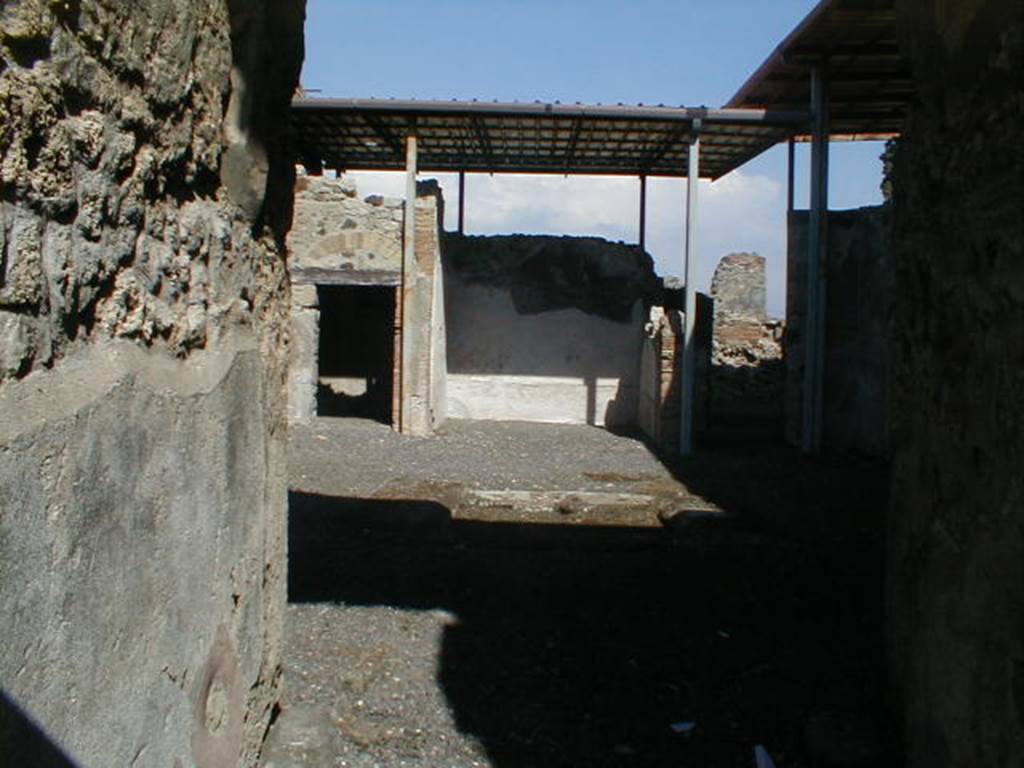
[{"x": 650, "y": 51}]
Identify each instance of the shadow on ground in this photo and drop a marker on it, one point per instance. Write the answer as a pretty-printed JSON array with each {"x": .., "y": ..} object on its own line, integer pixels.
[{"x": 580, "y": 646}]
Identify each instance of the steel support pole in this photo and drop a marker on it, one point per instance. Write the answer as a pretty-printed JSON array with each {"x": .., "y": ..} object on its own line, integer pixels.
[
  {"x": 689, "y": 378},
  {"x": 462, "y": 202},
  {"x": 817, "y": 260},
  {"x": 408, "y": 270},
  {"x": 791, "y": 175},
  {"x": 643, "y": 212}
]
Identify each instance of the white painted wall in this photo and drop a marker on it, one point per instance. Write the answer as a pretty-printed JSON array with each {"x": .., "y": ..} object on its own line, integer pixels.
[{"x": 563, "y": 366}]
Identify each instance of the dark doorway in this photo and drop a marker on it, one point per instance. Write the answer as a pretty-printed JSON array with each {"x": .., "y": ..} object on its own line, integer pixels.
[{"x": 356, "y": 351}]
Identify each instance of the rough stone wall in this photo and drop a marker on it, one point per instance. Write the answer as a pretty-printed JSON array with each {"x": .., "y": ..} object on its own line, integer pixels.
[
  {"x": 956, "y": 536},
  {"x": 738, "y": 287},
  {"x": 859, "y": 300},
  {"x": 143, "y": 306},
  {"x": 335, "y": 229},
  {"x": 747, "y": 374}
]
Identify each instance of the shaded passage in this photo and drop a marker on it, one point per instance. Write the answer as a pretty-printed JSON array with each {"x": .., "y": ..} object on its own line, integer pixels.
[{"x": 571, "y": 645}]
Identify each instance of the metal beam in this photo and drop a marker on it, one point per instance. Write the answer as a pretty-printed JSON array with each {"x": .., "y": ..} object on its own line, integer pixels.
[
  {"x": 790, "y": 176},
  {"x": 462, "y": 202},
  {"x": 643, "y": 212},
  {"x": 473, "y": 109},
  {"x": 385, "y": 135},
  {"x": 817, "y": 267},
  {"x": 570, "y": 152},
  {"x": 677, "y": 134},
  {"x": 484, "y": 140},
  {"x": 688, "y": 377}
]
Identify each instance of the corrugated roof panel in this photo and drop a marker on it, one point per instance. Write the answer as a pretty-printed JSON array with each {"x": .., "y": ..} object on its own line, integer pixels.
[{"x": 541, "y": 138}]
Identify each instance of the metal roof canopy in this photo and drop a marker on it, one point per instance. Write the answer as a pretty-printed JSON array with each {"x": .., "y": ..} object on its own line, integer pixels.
[
  {"x": 370, "y": 134},
  {"x": 869, "y": 82}
]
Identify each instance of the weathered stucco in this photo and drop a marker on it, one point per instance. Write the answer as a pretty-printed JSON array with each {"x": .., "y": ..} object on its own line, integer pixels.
[
  {"x": 143, "y": 307},
  {"x": 956, "y": 538},
  {"x": 545, "y": 328},
  {"x": 747, "y": 373}
]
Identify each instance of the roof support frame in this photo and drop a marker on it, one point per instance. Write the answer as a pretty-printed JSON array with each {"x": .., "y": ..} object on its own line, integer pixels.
[
  {"x": 384, "y": 134},
  {"x": 484, "y": 140},
  {"x": 677, "y": 135},
  {"x": 643, "y": 212},
  {"x": 570, "y": 152},
  {"x": 462, "y": 202},
  {"x": 366, "y": 134},
  {"x": 689, "y": 375}
]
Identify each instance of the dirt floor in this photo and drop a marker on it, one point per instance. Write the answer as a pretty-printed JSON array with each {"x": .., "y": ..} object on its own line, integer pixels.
[{"x": 514, "y": 595}]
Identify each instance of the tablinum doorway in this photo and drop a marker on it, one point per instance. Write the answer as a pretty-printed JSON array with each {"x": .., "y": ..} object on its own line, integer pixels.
[{"x": 356, "y": 351}]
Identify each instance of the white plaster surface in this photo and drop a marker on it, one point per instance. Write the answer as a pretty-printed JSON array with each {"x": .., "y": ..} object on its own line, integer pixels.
[{"x": 563, "y": 366}]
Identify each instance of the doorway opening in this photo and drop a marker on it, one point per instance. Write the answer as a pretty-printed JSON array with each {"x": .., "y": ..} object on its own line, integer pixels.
[{"x": 356, "y": 351}]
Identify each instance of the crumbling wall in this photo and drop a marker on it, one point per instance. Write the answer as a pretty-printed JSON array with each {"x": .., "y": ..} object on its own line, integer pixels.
[
  {"x": 747, "y": 374},
  {"x": 335, "y": 229},
  {"x": 658, "y": 401},
  {"x": 859, "y": 298},
  {"x": 545, "y": 328},
  {"x": 956, "y": 534},
  {"x": 143, "y": 305}
]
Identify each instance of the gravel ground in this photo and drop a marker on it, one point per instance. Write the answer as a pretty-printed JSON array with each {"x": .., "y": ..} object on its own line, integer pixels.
[{"x": 422, "y": 632}]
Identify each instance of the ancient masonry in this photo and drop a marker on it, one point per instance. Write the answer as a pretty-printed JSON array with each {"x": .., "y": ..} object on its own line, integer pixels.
[
  {"x": 143, "y": 328},
  {"x": 746, "y": 353}
]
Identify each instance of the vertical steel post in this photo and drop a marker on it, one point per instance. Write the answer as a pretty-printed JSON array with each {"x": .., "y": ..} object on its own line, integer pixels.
[
  {"x": 643, "y": 212},
  {"x": 462, "y": 202},
  {"x": 408, "y": 270},
  {"x": 791, "y": 176},
  {"x": 689, "y": 378},
  {"x": 817, "y": 272}
]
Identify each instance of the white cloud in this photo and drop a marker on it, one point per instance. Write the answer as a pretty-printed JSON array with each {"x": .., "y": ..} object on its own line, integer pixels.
[{"x": 739, "y": 212}]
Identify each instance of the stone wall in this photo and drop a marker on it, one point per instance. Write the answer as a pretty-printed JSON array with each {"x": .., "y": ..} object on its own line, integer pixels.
[
  {"x": 747, "y": 373},
  {"x": 658, "y": 402},
  {"x": 859, "y": 300},
  {"x": 143, "y": 306},
  {"x": 545, "y": 328},
  {"x": 956, "y": 534},
  {"x": 336, "y": 229}
]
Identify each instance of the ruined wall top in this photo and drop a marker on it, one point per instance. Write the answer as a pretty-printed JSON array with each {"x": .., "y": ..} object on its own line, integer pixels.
[
  {"x": 545, "y": 272},
  {"x": 335, "y": 229},
  {"x": 738, "y": 286}
]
